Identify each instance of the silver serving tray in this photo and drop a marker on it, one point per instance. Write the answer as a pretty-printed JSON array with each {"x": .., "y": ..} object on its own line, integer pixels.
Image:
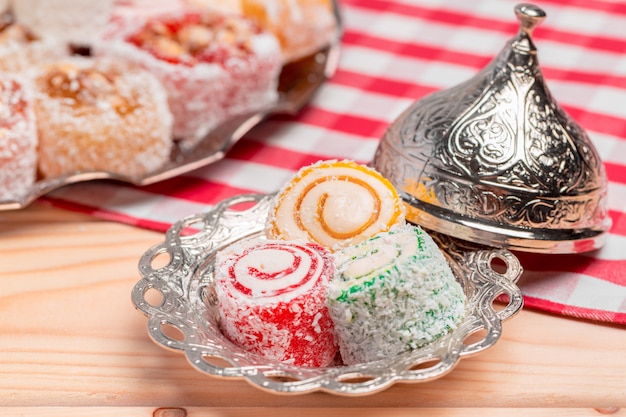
[
  {"x": 185, "y": 289},
  {"x": 298, "y": 82}
]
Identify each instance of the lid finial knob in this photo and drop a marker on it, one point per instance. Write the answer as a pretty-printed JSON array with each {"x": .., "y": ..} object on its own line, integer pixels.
[{"x": 529, "y": 16}]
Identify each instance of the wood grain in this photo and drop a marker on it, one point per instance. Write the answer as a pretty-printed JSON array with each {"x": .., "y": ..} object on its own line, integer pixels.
[
  {"x": 71, "y": 338},
  {"x": 300, "y": 412}
]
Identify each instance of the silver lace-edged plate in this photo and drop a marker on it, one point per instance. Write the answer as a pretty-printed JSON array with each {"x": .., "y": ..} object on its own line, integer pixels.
[{"x": 187, "y": 304}]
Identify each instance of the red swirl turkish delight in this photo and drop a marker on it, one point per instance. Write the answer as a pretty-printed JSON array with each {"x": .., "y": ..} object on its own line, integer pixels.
[{"x": 272, "y": 297}]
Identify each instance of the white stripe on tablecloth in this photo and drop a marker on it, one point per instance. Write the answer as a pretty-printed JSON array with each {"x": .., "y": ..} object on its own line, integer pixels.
[
  {"x": 132, "y": 202},
  {"x": 569, "y": 19},
  {"x": 353, "y": 101},
  {"x": 308, "y": 139},
  {"x": 481, "y": 42},
  {"x": 404, "y": 28},
  {"x": 573, "y": 289},
  {"x": 260, "y": 178},
  {"x": 610, "y": 148},
  {"x": 385, "y": 108},
  {"x": 383, "y": 64},
  {"x": 600, "y": 99},
  {"x": 614, "y": 250},
  {"x": 616, "y": 196}
]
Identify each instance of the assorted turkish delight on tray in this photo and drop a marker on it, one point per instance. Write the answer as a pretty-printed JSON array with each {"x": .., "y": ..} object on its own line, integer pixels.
[
  {"x": 339, "y": 271},
  {"x": 143, "y": 90},
  {"x": 323, "y": 285}
]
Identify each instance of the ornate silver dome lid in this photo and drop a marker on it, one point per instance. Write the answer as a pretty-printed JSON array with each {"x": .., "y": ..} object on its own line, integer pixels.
[{"x": 495, "y": 160}]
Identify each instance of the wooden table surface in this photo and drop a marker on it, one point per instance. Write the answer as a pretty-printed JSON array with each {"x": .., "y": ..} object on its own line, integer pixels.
[{"x": 72, "y": 344}]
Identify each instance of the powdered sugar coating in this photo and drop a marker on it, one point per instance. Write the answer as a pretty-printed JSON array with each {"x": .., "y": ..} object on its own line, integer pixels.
[
  {"x": 301, "y": 26},
  {"x": 272, "y": 298},
  {"x": 336, "y": 204},
  {"x": 144, "y": 8},
  {"x": 20, "y": 51},
  {"x": 100, "y": 115},
  {"x": 18, "y": 138},
  {"x": 71, "y": 21},
  {"x": 203, "y": 94},
  {"x": 393, "y": 293}
]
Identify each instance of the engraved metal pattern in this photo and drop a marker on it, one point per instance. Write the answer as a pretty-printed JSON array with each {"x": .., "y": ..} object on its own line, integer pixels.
[
  {"x": 188, "y": 304},
  {"x": 500, "y": 156}
]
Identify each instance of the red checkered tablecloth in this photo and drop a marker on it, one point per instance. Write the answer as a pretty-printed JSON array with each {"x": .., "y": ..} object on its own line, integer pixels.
[{"x": 397, "y": 51}]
